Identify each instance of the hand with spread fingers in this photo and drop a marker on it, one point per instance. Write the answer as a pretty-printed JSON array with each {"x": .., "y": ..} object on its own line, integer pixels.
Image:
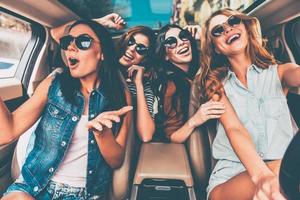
[
  {"x": 136, "y": 74},
  {"x": 106, "y": 119},
  {"x": 209, "y": 110},
  {"x": 112, "y": 20},
  {"x": 195, "y": 30},
  {"x": 267, "y": 188}
]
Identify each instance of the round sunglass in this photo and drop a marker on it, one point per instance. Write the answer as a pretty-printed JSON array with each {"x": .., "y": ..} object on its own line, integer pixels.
[
  {"x": 139, "y": 48},
  {"x": 171, "y": 42},
  {"x": 82, "y": 42},
  {"x": 219, "y": 29}
]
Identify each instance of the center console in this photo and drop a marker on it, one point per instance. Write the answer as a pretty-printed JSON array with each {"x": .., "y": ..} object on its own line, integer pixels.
[{"x": 163, "y": 173}]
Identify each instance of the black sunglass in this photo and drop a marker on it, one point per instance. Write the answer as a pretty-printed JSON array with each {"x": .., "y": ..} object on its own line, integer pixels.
[
  {"x": 219, "y": 29},
  {"x": 139, "y": 48},
  {"x": 171, "y": 42},
  {"x": 82, "y": 42}
]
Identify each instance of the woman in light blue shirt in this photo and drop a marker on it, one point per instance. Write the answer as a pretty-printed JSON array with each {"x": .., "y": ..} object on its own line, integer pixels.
[{"x": 254, "y": 132}]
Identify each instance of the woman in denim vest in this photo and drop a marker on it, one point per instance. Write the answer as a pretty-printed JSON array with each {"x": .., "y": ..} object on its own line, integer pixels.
[
  {"x": 254, "y": 132},
  {"x": 84, "y": 122},
  {"x": 178, "y": 58}
]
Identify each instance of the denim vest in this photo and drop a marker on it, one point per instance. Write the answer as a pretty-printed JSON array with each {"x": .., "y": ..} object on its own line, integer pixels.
[
  {"x": 262, "y": 108},
  {"x": 53, "y": 136}
]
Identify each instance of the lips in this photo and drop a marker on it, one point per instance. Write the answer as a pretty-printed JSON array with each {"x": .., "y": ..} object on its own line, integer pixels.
[
  {"x": 233, "y": 38},
  {"x": 73, "y": 61},
  {"x": 183, "y": 50},
  {"x": 128, "y": 56}
]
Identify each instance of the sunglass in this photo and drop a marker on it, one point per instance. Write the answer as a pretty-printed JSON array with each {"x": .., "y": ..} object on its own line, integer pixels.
[
  {"x": 219, "y": 29},
  {"x": 171, "y": 42},
  {"x": 139, "y": 48},
  {"x": 82, "y": 42}
]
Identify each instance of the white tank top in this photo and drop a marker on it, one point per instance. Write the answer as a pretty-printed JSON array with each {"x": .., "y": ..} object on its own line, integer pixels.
[{"x": 72, "y": 170}]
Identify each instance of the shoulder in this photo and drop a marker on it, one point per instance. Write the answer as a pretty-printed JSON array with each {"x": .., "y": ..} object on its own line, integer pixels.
[
  {"x": 282, "y": 68},
  {"x": 287, "y": 66},
  {"x": 43, "y": 87},
  {"x": 171, "y": 88},
  {"x": 48, "y": 81}
]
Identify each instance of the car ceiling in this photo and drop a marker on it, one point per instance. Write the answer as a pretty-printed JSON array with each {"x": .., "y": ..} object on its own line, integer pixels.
[
  {"x": 53, "y": 13},
  {"x": 46, "y": 12}
]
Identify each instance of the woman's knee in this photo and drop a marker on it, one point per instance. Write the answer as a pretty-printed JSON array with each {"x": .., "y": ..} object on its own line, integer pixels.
[
  {"x": 214, "y": 194},
  {"x": 17, "y": 195}
]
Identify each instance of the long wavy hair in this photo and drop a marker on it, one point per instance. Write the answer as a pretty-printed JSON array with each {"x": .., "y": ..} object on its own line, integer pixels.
[
  {"x": 214, "y": 66},
  {"x": 178, "y": 76},
  {"x": 108, "y": 72},
  {"x": 148, "y": 61}
]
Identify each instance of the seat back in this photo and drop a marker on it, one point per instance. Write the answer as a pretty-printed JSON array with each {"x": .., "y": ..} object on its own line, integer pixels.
[{"x": 199, "y": 150}]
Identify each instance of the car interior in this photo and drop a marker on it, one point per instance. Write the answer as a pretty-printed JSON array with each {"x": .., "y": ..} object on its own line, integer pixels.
[{"x": 158, "y": 171}]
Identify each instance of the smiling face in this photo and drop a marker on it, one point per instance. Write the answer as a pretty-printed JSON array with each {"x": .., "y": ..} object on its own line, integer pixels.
[
  {"x": 83, "y": 63},
  {"x": 131, "y": 56},
  {"x": 233, "y": 40},
  {"x": 181, "y": 54}
]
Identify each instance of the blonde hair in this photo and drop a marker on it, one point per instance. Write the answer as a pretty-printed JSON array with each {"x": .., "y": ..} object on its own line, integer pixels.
[{"x": 214, "y": 66}]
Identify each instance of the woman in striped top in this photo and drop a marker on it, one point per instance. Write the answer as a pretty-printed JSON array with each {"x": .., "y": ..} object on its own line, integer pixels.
[{"x": 136, "y": 52}]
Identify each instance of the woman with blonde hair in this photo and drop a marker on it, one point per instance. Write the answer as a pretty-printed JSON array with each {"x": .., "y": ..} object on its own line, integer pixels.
[{"x": 254, "y": 132}]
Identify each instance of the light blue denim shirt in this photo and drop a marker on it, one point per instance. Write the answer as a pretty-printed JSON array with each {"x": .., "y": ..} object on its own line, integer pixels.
[{"x": 263, "y": 110}]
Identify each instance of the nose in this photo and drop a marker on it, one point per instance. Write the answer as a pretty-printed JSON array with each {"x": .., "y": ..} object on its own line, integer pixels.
[
  {"x": 180, "y": 42},
  {"x": 132, "y": 47},
  {"x": 227, "y": 28},
  {"x": 72, "y": 46}
]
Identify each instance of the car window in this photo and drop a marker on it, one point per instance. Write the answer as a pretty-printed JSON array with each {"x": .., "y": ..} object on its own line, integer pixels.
[
  {"x": 187, "y": 12},
  {"x": 14, "y": 36},
  {"x": 152, "y": 13}
]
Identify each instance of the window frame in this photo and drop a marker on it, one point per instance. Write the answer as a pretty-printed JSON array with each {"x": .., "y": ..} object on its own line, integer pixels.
[{"x": 20, "y": 81}]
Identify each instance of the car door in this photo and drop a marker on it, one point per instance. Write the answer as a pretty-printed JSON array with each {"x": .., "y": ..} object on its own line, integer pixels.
[{"x": 21, "y": 45}]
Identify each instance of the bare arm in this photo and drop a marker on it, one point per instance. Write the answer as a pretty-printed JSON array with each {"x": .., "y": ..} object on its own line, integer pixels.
[
  {"x": 112, "y": 20},
  {"x": 209, "y": 110},
  {"x": 237, "y": 135},
  {"x": 144, "y": 122},
  {"x": 289, "y": 75},
  {"x": 14, "y": 124},
  {"x": 112, "y": 148}
]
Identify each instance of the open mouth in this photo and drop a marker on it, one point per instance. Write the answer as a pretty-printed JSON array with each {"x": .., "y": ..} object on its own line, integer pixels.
[
  {"x": 233, "y": 38},
  {"x": 183, "y": 50},
  {"x": 73, "y": 61}
]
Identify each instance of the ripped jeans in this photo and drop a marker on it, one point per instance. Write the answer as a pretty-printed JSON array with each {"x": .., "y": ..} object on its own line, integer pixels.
[{"x": 55, "y": 191}]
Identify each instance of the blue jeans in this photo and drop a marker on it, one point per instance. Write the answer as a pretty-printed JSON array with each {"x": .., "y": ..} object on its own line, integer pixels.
[{"x": 54, "y": 191}]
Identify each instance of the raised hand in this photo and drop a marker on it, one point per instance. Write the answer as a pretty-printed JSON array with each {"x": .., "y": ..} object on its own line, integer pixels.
[
  {"x": 195, "y": 30},
  {"x": 112, "y": 20},
  {"x": 106, "y": 119},
  {"x": 136, "y": 74},
  {"x": 209, "y": 110}
]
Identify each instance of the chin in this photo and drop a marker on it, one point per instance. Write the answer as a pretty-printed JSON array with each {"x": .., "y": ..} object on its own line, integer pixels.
[
  {"x": 75, "y": 75},
  {"x": 187, "y": 59},
  {"x": 124, "y": 62}
]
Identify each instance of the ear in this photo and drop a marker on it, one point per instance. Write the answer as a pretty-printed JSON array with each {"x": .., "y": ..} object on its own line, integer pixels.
[
  {"x": 217, "y": 51},
  {"x": 100, "y": 56},
  {"x": 166, "y": 57}
]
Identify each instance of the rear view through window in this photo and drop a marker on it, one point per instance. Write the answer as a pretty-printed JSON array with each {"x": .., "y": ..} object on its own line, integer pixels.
[{"x": 14, "y": 36}]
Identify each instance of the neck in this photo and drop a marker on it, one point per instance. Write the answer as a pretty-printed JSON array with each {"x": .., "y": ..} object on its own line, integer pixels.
[
  {"x": 240, "y": 64},
  {"x": 183, "y": 66},
  {"x": 88, "y": 84}
]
